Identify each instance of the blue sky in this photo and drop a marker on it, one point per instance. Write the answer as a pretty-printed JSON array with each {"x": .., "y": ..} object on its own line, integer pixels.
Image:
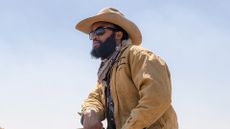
[{"x": 46, "y": 70}]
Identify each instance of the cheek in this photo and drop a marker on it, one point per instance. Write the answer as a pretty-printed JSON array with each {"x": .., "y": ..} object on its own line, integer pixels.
[
  {"x": 102, "y": 38},
  {"x": 105, "y": 36}
]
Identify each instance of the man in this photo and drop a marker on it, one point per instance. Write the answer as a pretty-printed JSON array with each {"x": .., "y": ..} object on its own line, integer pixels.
[{"x": 133, "y": 89}]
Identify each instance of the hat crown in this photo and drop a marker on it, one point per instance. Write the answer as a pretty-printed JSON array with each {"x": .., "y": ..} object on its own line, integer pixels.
[
  {"x": 110, "y": 10},
  {"x": 113, "y": 16}
]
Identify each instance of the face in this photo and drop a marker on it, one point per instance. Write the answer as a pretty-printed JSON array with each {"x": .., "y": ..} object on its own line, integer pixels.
[{"x": 104, "y": 42}]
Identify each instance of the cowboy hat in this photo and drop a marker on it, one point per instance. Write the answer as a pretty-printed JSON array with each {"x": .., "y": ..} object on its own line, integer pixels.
[{"x": 114, "y": 16}]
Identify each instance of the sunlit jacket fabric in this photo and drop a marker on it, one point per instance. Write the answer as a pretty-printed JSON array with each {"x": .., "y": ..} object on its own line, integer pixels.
[{"x": 141, "y": 90}]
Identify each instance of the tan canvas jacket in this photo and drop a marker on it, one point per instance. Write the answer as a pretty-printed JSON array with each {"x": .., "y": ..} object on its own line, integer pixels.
[{"x": 141, "y": 90}]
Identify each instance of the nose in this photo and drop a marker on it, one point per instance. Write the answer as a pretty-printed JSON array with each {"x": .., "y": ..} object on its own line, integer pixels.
[{"x": 94, "y": 37}]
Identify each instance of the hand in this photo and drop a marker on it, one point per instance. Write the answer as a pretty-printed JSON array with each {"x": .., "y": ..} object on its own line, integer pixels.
[{"x": 91, "y": 120}]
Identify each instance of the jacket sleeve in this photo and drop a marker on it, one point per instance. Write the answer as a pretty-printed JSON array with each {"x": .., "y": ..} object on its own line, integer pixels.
[
  {"x": 96, "y": 101},
  {"x": 152, "y": 79}
]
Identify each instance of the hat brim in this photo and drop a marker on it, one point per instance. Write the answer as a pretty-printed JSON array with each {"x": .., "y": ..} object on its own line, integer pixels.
[{"x": 133, "y": 31}]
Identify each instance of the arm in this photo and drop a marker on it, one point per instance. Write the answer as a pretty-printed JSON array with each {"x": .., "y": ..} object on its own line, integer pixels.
[
  {"x": 93, "y": 109},
  {"x": 152, "y": 79}
]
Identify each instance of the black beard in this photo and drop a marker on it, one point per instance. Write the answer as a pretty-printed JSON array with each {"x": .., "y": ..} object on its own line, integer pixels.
[{"x": 105, "y": 49}]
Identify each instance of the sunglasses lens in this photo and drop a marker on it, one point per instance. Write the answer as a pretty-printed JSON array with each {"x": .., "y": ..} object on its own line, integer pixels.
[{"x": 99, "y": 31}]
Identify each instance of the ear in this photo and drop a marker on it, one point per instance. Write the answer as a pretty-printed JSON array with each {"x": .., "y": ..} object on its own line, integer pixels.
[{"x": 118, "y": 35}]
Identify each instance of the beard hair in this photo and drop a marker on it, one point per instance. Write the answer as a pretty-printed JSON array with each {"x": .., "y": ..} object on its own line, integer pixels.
[{"x": 105, "y": 49}]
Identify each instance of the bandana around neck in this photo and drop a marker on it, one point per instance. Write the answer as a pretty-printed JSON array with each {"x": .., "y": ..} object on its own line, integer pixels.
[{"x": 107, "y": 64}]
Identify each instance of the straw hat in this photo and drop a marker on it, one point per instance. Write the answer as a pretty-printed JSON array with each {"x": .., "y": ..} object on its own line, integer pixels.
[{"x": 114, "y": 16}]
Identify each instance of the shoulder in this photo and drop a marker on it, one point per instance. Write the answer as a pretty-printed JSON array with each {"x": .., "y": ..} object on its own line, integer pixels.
[
  {"x": 138, "y": 50},
  {"x": 139, "y": 53}
]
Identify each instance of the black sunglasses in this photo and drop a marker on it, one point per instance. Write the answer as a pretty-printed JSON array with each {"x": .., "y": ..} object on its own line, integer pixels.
[{"x": 100, "y": 31}]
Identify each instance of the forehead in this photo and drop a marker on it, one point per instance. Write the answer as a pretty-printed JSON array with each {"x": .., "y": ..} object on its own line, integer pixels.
[{"x": 100, "y": 24}]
